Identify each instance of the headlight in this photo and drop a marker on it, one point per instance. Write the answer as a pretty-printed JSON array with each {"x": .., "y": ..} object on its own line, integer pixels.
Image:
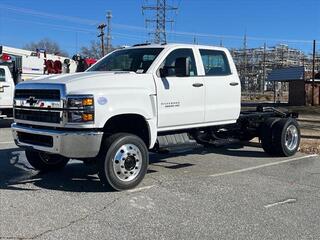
[
  {"x": 80, "y": 101},
  {"x": 80, "y": 109}
]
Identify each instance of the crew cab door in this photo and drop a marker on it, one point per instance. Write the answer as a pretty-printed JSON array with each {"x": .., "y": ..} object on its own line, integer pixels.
[
  {"x": 223, "y": 93},
  {"x": 6, "y": 88},
  {"x": 180, "y": 95}
]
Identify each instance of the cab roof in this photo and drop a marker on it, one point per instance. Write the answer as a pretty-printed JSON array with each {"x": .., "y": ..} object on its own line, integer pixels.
[{"x": 177, "y": 45}]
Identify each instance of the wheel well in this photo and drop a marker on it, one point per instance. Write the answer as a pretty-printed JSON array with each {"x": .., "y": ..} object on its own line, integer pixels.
[{"x": 129, "y": 123}]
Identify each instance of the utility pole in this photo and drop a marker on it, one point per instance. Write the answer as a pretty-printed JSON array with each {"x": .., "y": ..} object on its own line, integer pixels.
[
  {"x": 101, "y": 27},
  {"x": 109, "y": 16},
  {"x": 313, "y": 70},
  {"x": 246, "y": 81},
  {"x": 160, "y": 20},
  {"x": 264, "y": 67}
]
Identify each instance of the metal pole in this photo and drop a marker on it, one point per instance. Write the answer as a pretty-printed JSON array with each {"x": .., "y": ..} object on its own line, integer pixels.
[
  {"x": 264, "y": 67},
  {"x": 109, "y": 16},
  {"x": 313, "y": 70},
  {"x": 101, "y": 27}
]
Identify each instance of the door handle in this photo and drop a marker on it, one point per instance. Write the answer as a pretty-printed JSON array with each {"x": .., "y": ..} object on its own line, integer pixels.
[
  {"x": 5, "y": 85},
  {"x": 197, "y": 84},
  {"x": 233, "y": 84}
]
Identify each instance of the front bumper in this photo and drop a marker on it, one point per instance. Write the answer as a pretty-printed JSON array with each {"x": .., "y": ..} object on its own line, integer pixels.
[{"x": 71, "y": 144}]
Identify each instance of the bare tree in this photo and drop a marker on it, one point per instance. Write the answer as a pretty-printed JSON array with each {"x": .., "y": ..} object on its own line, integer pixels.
[
  {"x": 92, "y": 51},
  {"x": 48, "y": 45}
]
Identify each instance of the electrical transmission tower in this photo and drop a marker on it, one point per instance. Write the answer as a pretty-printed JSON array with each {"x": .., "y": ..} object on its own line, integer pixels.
[{"x": 160, "y": 20}]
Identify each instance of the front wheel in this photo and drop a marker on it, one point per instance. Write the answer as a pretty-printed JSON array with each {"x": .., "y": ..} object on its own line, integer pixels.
[
  {"x": 124, "y": 162},
  {"x": 45, "y": 162}
]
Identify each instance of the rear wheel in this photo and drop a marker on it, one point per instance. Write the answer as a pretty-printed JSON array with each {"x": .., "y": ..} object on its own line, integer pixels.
[
  {"x": 45, "y": 162},
  {"x": 286, "y": 135},
  {"x": 266, "y": 135},
  {"x": 124, "y": 162}
]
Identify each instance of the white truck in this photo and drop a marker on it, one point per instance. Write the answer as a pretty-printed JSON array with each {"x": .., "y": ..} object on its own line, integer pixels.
[
  {"x": 6, "y": 91},
  {"x": 17, "y": 65},
  {"x": 136, "y": 96}
]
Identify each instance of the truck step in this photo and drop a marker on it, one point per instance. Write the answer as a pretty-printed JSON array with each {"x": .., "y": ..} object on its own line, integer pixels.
[{"x": 174, "y": 139}]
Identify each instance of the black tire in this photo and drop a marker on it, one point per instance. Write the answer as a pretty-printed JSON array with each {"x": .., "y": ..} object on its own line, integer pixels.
[
  {"x": 266, "y": 135},
  {"x": 283, "y": 133},
  {"x": 117, "y": 164},
  {"x": 45, "y": 162}
]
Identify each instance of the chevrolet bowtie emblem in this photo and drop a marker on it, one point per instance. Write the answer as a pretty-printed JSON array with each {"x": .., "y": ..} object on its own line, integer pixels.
[{"x": 31, "y": 101}]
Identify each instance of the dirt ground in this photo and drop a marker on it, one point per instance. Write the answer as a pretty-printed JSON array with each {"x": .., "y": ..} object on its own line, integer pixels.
[
  {"x": 310, "y": 141},
  {"x": 309, "y": 120}
]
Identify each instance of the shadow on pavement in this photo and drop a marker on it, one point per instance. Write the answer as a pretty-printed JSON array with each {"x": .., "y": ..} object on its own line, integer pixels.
[
  {"x": 236, "y": 150},
  {"x": 16, "y": 173}
]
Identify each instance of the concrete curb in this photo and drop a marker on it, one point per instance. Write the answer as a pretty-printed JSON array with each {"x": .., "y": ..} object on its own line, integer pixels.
[{"x": 309, "y": 120}]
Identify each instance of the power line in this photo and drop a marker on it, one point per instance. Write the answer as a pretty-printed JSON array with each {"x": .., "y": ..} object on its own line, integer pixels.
[
  {"x": 58, "y": 27},
  {"x": 86, "y": 21},
  {"x": 48, "y": 15}
]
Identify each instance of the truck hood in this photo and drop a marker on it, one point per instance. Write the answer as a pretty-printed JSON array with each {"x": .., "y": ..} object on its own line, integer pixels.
[{"x": 91, "y": 82}]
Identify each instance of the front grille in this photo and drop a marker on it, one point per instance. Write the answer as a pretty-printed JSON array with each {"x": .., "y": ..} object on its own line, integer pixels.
[
  {"x": 37, "y": 116},
  {"x": 35, "y": 139},
  {"x": 48, "y": 94}
]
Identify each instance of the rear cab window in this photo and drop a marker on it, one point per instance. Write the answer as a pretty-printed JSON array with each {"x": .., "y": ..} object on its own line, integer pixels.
[{"x": 215, "y": 62}]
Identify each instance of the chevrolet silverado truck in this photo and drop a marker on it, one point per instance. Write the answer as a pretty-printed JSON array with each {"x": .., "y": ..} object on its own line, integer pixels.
[{"x": 120, "y": 108}]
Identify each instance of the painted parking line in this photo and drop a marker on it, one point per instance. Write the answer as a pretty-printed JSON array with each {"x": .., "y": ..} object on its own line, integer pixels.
[
  {"x": 262, "y": 166},
  {"x": 290, "y": 200},
  {"x": 141, "y": 188}
]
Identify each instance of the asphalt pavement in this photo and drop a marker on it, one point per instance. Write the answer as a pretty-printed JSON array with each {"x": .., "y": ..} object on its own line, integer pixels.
[{"x": 236, "y": 192}]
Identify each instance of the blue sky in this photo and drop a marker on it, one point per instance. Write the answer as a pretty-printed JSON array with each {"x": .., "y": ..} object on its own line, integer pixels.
[{"x": 73, "y": 23}]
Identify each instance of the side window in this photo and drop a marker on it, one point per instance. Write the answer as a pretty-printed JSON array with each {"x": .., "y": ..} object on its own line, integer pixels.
[
  {"x": 2, "y": 75},
  {"x": 215, "y": 63},
  {"x": 172, "y": 61}
]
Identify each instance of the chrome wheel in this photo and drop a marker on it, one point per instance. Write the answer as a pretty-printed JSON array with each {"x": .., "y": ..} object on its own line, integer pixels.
[
  {"x": 292, "y": 137},
  {"x": 127, "y": 162}
]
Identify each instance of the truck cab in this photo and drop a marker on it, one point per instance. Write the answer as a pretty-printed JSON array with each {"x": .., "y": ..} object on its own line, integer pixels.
[
  {"x": 122, "y": 107},
  {"x": 6, "y": 88}
]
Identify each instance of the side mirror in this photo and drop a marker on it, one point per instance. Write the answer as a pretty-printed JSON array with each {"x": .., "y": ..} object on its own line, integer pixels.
[
  {"x": 164, "y": 72},
  {"x": 182, "y": 67}
]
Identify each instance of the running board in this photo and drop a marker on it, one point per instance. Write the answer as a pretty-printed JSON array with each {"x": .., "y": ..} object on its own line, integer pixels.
[
  {"x": 174, "y": 139},
  {"x": 184, "y": 139}
]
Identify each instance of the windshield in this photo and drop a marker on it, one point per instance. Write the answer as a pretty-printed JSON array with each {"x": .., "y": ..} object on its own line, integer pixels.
[{"x": 134, "y": 60}]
